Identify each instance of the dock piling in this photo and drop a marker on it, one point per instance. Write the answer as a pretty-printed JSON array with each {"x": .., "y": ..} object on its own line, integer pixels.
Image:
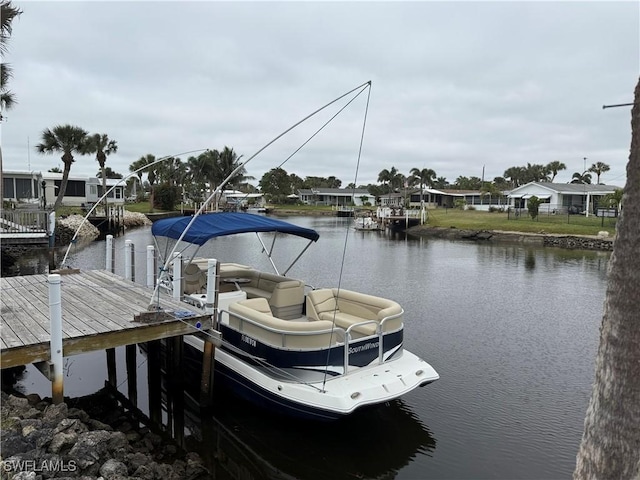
[
  {"x": 177, "y": 276},
  {"x": 111, "y": 258},
  {"x": 55, "y": 313},
  {"x": 152, "y": 266},
  {"x": 129, "y": 261}
]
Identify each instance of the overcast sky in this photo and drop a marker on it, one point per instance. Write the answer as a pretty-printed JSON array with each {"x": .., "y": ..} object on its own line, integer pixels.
[{"x": 456, "y": 86}]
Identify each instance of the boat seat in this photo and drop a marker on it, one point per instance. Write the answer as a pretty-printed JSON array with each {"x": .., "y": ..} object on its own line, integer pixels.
[
  {"x": 350, "y": 308},
  {"x": 285, "y": 295},
  {"x": 258, "y": 310},
  {"x": 194, "y": 279}
]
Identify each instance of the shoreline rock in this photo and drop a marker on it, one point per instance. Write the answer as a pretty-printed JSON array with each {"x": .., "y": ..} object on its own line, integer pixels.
[
  {"x": 41, "y": 440},
  {"x": 571, "y": 242}
]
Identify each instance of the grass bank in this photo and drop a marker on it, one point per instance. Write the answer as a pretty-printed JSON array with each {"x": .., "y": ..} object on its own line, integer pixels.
[{"x": 502, "y": 221}]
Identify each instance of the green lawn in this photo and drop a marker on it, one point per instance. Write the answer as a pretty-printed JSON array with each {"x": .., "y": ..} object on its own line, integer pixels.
[{"x": 561, "y": 224}]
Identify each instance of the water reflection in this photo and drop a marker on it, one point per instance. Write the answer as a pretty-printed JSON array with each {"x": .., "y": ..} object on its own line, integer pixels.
[
  {"x": 374, "y": 443},
  {"x": 530, "y": 261}
]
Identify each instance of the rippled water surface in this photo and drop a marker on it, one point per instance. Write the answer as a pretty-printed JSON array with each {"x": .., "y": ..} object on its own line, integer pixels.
[{"x": 512, "y": 330}]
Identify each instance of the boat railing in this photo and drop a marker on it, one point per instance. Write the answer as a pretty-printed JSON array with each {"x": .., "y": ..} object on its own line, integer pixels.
[
  {"x": 339, "y": 332},
  {"x": 379, "y": 333}
]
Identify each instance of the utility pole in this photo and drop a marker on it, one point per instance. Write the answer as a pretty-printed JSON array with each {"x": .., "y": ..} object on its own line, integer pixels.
[{"x": 584, "y": 186}]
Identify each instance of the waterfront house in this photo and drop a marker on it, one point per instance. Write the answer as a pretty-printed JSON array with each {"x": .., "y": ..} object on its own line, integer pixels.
[
  {"x": 562, "y": 198},
  {"x": 22, "y": 187},
  {"x": 336, "y": 196},
  {"x": 81, "y": 191},
  {"x": 450, "y": 198}
]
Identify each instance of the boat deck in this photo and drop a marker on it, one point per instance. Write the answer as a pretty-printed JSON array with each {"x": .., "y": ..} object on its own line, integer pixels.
[{"x": 100, "y": 310}]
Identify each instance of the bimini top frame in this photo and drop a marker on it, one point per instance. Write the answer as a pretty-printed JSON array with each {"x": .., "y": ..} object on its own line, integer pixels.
[{"x": 219, "y": 224}]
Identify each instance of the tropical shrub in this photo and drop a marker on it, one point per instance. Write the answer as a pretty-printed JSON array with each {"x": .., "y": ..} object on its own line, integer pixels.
[{"x": 533, "y": 205}]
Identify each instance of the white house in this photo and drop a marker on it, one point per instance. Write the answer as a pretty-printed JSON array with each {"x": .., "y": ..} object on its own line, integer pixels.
[
  {"x": 336, "y": 196},
  {"x": 81, "y": 191},
  {"x": 22, "y": 187},
  {"x": 561, "y": 197},
  {"x": 449, "y": 198}
]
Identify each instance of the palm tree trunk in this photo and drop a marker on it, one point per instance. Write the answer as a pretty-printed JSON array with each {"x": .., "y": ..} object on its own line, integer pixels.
[
  {"x": 104, "y": 191},
  {"x": 63, "y": 185},
  {"x": 610, "y": 445}
]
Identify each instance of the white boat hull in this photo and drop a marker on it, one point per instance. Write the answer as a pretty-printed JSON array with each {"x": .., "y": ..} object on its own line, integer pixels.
[{"x": 335, "y": 398}]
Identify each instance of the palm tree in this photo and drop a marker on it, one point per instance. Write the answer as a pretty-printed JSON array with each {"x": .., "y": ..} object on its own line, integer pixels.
[
  {"x": 136, "y": 167},
  {"x": 385, "y": 177},
  {"x": 554, "y": 167},
  {"x": 148, "y": 159},
  {"x": 613, "y": 200},
  {"x": 599, "y": 168},
  {"x": 7, "y": 14},
  {"x": 609, "y": 447},
  {"x": 515, "y": 175},
  {"x": 578, "y": 177},
  {"x": 441, "y": 182},
  {"x": 67, "y": 139},
  {"x": 102, "y": 146},
  {"x": 228, "y": 162},
  {"x": 426, "y": 176},
  {"x": 490, "y": 190}
]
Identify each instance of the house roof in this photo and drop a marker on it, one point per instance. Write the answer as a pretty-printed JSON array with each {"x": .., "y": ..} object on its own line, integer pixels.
[
  {"x": 567, "y": 188},
  {"x": 334, "y": 191}
]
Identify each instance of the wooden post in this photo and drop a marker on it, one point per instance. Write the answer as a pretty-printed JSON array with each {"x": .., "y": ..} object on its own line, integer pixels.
[
  {"x": 55, "y": 312},
  {"x": 208, "y": 355},
  {"x": 154, "y": 381},
  {"x": 206, "y": 384},
  {"x": 177, "y": 387},
  {"x": 112, "y": 374},
  {"x": 132, "y": 373}
]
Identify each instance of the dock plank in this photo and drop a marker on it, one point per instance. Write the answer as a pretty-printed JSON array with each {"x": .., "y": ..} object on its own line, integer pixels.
[{"x": 36, "y": 294}]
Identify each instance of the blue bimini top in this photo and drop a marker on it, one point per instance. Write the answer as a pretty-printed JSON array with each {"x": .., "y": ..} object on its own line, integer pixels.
[{"x": 211, "y": 225}]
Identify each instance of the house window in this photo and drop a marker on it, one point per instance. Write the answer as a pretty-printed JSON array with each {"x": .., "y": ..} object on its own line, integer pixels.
[
  {"x": 23, "y": 188},
  {"x": 7, "y": 187},
  {"x": 75, "y": 188}
]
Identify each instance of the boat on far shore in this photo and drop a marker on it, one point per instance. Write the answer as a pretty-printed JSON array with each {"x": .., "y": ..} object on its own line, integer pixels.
[{"x": 366, "y": 222}]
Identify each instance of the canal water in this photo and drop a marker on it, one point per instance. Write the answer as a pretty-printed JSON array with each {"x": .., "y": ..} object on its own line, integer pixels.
[{"x": 512, "y": 330}]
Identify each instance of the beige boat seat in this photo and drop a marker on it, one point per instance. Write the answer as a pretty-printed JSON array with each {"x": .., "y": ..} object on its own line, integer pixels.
[
  {"x": 350, "y": 308},
  {"x": 194, "y": 279},
  {"x": 263, "y": 324},
  {"x": 285, "y": 295}
]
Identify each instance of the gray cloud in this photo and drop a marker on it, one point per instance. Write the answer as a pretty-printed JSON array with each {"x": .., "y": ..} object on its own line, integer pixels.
[{"x": 456, "y": 86}]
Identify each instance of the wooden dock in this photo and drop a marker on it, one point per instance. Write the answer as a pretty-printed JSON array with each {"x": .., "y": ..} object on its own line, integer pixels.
[
  {"x": 24, "y": 227},
  {"x": 98, "y": 313}
]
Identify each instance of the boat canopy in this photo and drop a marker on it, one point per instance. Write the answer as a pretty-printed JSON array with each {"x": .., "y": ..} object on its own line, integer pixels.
[{"x": 211, "y": 225}]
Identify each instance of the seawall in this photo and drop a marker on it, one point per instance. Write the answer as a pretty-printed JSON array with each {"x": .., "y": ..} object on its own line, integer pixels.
[{"x": 573, "y": 242}]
